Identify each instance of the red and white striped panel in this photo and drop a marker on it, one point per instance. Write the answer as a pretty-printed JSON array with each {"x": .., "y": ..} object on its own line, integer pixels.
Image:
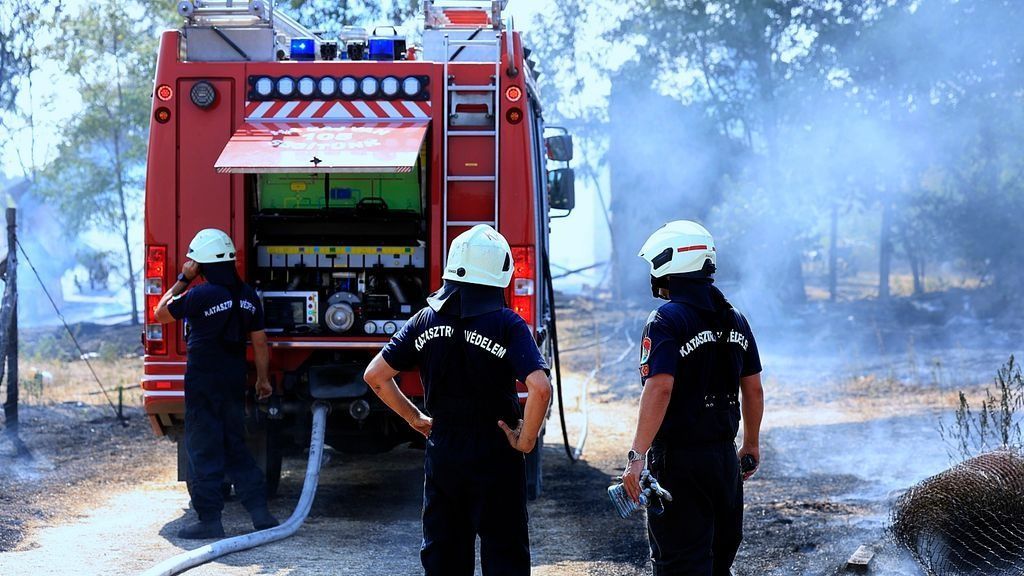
[
  {"x": 336, "y": 110},
  {"x": 283, "y": 128}
]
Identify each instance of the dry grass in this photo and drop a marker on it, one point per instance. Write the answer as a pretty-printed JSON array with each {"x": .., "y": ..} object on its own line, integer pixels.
[{"x": 73, "y": 382}]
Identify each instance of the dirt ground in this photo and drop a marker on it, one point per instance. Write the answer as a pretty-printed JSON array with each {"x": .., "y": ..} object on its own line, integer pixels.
[{"x": 852, "y": 420}]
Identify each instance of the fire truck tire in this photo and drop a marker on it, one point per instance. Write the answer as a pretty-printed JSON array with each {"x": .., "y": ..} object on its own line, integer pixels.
[
  {"x": 534, "y": 469},
  {"x": 264, "y": 443}
]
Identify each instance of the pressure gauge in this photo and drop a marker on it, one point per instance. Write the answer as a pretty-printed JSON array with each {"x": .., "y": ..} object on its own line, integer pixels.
[{"x": 370, "y": 327}]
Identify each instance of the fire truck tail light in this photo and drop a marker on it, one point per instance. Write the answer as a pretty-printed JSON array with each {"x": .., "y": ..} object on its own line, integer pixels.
[
  {"x": 164, "y": 92},
  {"x": 514, "y": 116},
  {"x": 156, "y": 270},
  {"x": 513, "y": 93},
  {"x": 523, "y": 287},
  {"x": 162, "y": 115},
  {"x": 523, "y": 283},
  {"x": 156, "y": 261}
]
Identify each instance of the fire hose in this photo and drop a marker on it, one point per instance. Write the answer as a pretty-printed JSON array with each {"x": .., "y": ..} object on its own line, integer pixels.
[
  {"x": 572, "y": 454},
  {"x": 193, "y": 558}
]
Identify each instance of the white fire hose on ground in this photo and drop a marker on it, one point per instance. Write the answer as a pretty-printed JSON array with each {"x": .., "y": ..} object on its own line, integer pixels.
[{"x": 204, "y": 554}]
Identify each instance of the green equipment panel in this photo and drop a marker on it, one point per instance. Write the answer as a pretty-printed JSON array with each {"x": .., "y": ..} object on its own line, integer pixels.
[{"x": 400, "y": 192}]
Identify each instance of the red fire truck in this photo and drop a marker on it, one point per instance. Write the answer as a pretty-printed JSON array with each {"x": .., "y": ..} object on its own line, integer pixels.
[{"x": 342, "y": 168}]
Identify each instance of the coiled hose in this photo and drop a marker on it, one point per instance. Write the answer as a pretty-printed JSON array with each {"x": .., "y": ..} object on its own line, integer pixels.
[{"x": 204, "y": 554}]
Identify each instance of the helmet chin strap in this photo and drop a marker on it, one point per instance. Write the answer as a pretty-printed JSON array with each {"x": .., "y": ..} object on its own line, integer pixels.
[{"x": 466, "y": 300}]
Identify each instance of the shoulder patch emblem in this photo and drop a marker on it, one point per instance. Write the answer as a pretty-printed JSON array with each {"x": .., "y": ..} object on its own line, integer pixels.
[
  {"x": 645, "y": 370},
  {"x": 645, "y": 349}
]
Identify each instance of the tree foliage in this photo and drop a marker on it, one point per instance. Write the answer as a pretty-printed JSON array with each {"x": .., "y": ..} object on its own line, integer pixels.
[{"x": 97, "y": 176}]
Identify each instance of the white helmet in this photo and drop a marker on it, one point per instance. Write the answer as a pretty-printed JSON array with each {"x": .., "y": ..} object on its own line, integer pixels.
[
  {"x": 211, "y": 245},
  {"x": 480, "y": 256},
  {"x": 678, "y": 247}
]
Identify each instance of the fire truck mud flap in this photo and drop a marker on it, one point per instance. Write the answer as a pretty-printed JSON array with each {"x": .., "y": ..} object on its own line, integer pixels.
[{"x": 209, "y": 552}]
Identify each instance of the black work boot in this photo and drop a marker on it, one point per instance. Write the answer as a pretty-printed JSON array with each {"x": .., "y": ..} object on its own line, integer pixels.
[
  {"x": 262, "y": 519},
  {"x": 202, "y": 530}
]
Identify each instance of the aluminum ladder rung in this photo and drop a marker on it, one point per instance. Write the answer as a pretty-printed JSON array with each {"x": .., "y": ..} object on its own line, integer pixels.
[
  {"x": 470, "y": 223},
  {"x": 454, "y": 93}
]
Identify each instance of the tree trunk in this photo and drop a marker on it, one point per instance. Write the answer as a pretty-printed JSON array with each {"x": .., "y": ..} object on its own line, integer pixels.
[
  {"x": 833, "y": 258},
  {"x": 885, "y": 252},
  {"x": 119, "y": 174}
]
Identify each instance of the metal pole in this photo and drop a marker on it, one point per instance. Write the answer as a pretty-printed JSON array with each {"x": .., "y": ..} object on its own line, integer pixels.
[{"x": 11, "y": 404}]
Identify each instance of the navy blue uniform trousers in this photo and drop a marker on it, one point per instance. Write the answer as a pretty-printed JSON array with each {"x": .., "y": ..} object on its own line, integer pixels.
[
  {"x": 474, "y": 485},
  {"x": 701, "y": 529},
  {"x": 215, "y": 436}
]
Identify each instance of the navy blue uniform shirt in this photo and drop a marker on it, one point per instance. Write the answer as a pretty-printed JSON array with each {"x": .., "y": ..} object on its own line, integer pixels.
[
  {"x": 210, "y": 326},
  {"x": 707, "y": 352},
  {"x": 468, "y": 366}
]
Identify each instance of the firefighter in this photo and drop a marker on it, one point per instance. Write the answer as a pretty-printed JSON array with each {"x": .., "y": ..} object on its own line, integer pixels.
[
  {"x": 698, "y": 359},
  {"x": 220, "y": 316},
  {"x": 470, "y": 349}
]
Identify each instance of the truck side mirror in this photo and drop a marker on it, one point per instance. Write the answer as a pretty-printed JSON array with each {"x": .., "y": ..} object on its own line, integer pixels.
[
  {"x": 559, "y": 147},
  {"x": 562, "y": 188}
]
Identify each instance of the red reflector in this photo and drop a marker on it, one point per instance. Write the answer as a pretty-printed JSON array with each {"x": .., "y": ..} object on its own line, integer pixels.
[
  {"x": 164, "y": 92},
  {"x": 689, "y": 248}
]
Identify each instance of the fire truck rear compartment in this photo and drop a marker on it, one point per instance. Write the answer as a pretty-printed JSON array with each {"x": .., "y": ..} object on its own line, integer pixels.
[
  {"x": 339, "y": 254},
  {"x": 339, "y": 258}
]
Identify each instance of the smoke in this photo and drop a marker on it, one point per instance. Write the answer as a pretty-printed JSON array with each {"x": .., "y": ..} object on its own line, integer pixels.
[{"x": 763, "y": 123}]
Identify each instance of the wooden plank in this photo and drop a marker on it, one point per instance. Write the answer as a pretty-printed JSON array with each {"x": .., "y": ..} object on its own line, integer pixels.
[{"x": 860, "y": 559}]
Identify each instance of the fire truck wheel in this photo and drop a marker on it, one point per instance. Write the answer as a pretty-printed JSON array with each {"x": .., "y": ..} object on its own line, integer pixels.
[
  {"x": 533, "y": 469},
  {"x": 273, "y": 458}
]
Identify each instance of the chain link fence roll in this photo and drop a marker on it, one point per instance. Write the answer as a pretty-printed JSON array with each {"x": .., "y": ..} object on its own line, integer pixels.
[{"x": 968, "y": 520}]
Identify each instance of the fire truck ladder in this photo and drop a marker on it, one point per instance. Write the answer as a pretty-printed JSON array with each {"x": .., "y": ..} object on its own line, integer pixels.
[{"x": 458, "y": 96}]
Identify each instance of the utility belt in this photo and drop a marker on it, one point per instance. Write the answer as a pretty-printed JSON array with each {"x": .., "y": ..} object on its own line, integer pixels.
[
  {"x": 668, "y": 446},
  {"x": 215, "y": 360}
]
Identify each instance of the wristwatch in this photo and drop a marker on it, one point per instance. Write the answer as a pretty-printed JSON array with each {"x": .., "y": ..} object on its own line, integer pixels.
[
  {"x": 633, "y": 456},
  {"x": 183, "y": 278}
]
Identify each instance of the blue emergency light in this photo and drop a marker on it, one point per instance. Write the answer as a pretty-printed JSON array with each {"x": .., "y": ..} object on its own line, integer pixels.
[
  {"x": 382, "y": 48},
  {"x": 303, "y": 49}
]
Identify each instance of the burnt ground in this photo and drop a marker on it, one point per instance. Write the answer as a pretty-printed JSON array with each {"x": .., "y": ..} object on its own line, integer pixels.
[{"x": 852, "y": 417}]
